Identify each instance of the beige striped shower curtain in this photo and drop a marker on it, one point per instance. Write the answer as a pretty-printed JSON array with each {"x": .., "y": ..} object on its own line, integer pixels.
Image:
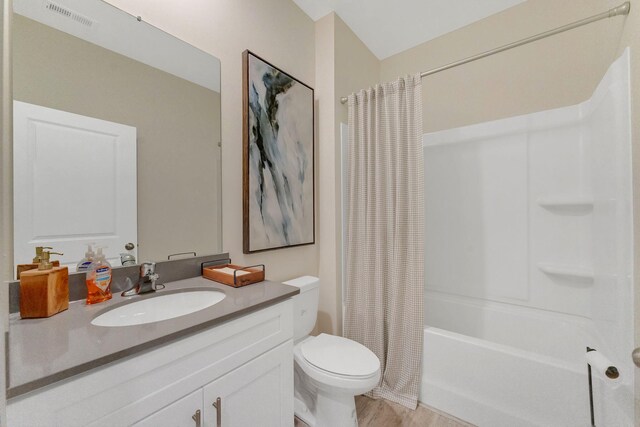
[{"x": 385, "y": 233}]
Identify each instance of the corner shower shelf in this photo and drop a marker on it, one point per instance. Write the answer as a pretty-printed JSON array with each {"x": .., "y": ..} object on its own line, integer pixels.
[
  {"x": 582, "y": 203},
  {"x": 566, "y": 271}
]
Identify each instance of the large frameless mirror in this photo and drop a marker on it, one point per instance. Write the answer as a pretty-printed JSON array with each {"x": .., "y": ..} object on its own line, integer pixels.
[{"x": 116, "y": 136}]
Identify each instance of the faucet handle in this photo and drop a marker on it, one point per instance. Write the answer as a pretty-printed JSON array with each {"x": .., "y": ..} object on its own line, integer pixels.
[{"x": 147, "y": 268}]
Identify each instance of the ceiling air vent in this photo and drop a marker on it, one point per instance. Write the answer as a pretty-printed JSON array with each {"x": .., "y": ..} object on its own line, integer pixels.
[{"x": 68, "y": 13}]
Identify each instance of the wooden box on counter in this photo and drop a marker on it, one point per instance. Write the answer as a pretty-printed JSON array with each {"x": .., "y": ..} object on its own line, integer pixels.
[
  {"x": 44, "y": 293},
  {"x": 234, "y": 275}
]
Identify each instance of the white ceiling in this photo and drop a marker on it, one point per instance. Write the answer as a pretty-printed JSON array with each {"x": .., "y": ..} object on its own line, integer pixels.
[{"x": 389, "y": 27}]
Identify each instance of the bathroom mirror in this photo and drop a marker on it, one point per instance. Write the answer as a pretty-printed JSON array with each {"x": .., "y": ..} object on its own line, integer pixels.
[{"x": 116, "y": 135}]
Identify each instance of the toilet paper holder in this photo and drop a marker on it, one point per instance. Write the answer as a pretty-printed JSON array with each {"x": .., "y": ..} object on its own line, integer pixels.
[
  {"x": 635, "y": 356},
  {"x": 611, "y": 372}
]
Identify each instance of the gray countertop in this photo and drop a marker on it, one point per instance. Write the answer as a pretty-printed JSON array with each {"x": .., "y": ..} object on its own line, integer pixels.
[{"x": 43, "y": 351}]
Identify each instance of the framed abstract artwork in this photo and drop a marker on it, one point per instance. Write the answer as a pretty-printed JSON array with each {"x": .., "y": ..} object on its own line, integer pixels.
[{"x": 278, "y": 158}]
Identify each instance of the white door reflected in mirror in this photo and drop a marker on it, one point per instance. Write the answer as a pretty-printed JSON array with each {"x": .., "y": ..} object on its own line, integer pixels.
[{"x": 74, "y": 184}]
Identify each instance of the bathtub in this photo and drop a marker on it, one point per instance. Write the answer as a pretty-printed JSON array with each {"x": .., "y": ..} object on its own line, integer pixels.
[
  {"x": 522, "y": 273},
  {"x": 518, "y": 368}
]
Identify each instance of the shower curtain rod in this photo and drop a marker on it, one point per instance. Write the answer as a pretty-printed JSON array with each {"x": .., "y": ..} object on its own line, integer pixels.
[{"x": 623, "y": 9}]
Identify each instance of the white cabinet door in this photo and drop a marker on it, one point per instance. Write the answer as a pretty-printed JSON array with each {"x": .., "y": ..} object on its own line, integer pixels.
[
  {"x": 258, "y": 393},
  {"x": 74, "y": 183},
  {"x": 186, "y": 412}
]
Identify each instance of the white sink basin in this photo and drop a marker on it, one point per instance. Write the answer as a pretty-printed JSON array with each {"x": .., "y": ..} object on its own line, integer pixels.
[{"x": 161, "y": 307}]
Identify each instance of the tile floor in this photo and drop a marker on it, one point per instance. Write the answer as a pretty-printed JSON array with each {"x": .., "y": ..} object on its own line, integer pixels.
[{"x": 382, "y": 413}]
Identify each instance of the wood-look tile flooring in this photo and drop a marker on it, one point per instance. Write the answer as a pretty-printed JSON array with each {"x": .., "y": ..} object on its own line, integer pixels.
[{"x": 382, "y": 413}]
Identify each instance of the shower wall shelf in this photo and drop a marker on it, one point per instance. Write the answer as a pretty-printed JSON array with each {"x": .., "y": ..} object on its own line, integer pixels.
[
  {"x": 566, "y": 271},
  {"x": 582, "y": 203}
]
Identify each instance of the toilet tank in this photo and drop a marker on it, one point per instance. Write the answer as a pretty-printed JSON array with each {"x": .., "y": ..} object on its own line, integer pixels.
[{"x": 305, "y": 305}]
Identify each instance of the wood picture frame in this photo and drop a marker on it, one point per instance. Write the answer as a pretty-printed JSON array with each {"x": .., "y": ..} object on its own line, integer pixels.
[{"x": 278, "y": 160}]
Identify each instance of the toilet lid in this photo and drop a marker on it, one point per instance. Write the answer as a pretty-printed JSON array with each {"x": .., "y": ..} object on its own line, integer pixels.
[{"x": 340, "y": 356}]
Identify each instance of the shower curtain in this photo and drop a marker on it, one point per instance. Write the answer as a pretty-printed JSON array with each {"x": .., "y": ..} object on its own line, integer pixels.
[{"x": 385, "y": 236}]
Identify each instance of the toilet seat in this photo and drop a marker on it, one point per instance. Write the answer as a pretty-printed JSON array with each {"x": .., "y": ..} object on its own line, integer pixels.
[{"x": 340, "y": 357}]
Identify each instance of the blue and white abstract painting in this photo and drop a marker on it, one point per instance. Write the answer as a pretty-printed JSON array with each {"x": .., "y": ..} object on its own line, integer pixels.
[{"x": 280, "y": 159}]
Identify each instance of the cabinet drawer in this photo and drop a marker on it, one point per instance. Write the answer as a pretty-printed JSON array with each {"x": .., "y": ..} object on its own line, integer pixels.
[{"x": 186, "y": 412}]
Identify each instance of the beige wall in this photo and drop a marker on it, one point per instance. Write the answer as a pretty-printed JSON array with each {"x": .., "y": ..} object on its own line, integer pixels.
[
  {"x": 6, "y": 194},
  {"x": 555, "y": 72},
  {"x": 343, "y": 65},
  {"x": 177, "y": 122},
  {"x": 559, "y": 71},
  {"x": 278, "y": 31},
  {"x": 274, "y": 29},
  {"x": 356, "y": 67},
  {"x": 325, "y": 94}
]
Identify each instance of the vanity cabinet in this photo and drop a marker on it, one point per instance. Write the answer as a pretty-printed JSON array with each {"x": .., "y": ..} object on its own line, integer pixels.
[
  {"x": 254, "y": 394},
  {"x": 247, "y": 363}
]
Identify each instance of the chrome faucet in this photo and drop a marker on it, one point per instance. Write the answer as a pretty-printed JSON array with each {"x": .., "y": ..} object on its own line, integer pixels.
[{"x": 147, "y": 281}]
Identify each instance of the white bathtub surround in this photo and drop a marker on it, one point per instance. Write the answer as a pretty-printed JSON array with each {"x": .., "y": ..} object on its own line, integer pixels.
[
  {"x": 529, "y": 261},
  {"x": 385, "y": 240}
]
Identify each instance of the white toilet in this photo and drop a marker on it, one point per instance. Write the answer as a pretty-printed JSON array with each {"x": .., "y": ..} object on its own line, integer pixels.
[{"x": 329, "y": 370}]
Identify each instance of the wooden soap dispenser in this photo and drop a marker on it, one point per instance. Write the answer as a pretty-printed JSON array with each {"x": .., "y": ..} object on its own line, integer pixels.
[
  {"x": 45, "y": 291},
  {"x": 36, "y": 261}
]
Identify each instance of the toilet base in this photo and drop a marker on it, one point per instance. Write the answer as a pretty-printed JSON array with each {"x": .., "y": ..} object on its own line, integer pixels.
[
  {"x": 324, "y": 399},
  {"x": 301, "y": 411},
  {"x": 321, "y": 406},
  {"x": 336, "y": 411},
  {"x": 330, "y": 411}
]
